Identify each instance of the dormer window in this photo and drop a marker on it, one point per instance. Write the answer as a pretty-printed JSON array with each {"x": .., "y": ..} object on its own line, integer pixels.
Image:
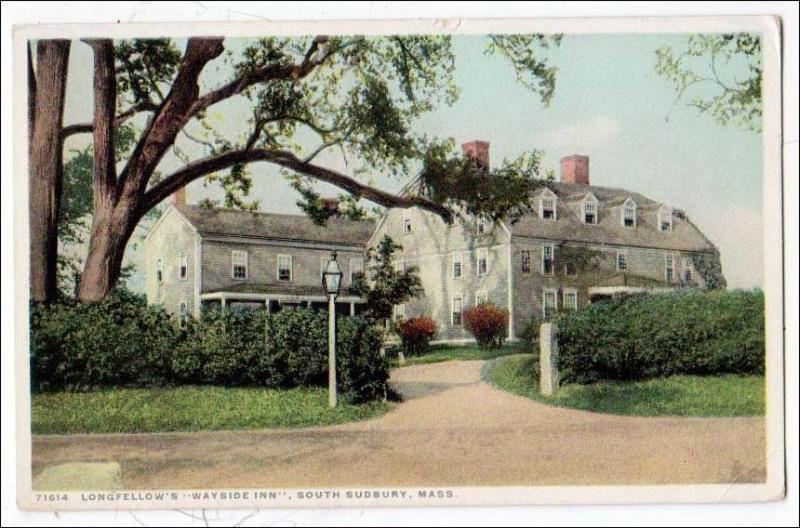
[
  {"x": 590, "y": 209},
  {"x": 481, "y": 226},
  {"x": 665, "y": 218},
  {"x": 547, "y": 205},
  {"x": 407, "y": 225},
  {"x": 629, "y": 213}
]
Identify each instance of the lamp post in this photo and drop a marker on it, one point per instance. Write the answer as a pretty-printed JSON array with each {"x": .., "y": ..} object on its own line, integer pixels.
[{"x": 331, "y": 281}]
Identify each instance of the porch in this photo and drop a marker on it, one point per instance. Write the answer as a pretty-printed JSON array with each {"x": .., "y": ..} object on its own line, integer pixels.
[{"x": 275, "y": 297}]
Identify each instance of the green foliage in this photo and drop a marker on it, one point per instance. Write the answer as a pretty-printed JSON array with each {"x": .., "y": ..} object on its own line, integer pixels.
[
  {"x": 416, "y": 334},
  {"x": 144, "y": 68},
  {"x": 488, "y": 324},
  {"x": 119, "y": 342},
  {"x": 523, "y": 51},
  {"x": 283, "y": 350},
  {"x": 191, "y": 408},
  {"x": 646, "y": 336},
  {"x": 439, "y": 353},
  {"x": 725, "y": 395},
  {"x": 709, "y": 267},
  {"x": 475, "y": 191},
  {"x": 728, "y": 64},
  {"x": 386, "y": 287}
]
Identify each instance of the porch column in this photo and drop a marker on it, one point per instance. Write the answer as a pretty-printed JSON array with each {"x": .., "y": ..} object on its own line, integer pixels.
[
  {"x": 352, "y": 308},
  {"x": 222, "y": 300}
]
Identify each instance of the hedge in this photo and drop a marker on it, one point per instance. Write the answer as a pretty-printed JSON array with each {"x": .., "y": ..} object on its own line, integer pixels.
[
  {"x": 488, "y": 324},
  {"x": 416, "y": 334},
  {"x": 645, "y": 336},
  {"x": 123, "y": 342}
]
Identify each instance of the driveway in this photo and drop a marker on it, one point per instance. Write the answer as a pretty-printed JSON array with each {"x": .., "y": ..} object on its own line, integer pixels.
[{"x": 451, "y": 430}]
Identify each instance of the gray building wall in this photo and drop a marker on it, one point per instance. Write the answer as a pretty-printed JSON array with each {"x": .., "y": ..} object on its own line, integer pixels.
[
  {"x": 171, "y": 237},
  {"x": 262, "y": 262},
  {"x": 431, "y": 247}
]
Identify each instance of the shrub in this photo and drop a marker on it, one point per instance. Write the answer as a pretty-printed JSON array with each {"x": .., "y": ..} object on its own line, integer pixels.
[
  {"x": 416, "y": 334},
  {"x": 645, "y": 336},
  {"x": 487, "y": 324},
  {"x": 529, "y": 334},
  {"x": 119, "y": 342}
]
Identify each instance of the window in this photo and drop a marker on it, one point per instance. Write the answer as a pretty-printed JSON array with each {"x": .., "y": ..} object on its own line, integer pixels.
[
  {"x": 548, "y": 259},
  {"x": 483, "y": 261},
  {"x": 407, "y": 226},
  {"x": 629, "y": 213},
  {"x": 590, "y": 209},
  {"x": 569, "y": 269},
  {"x": 526, "y": 261},
  {"x": 622, "y": 261},
  {"x": 159, "y": 270},
  {"x": 481, "y": 297},
  {"x": 665, "y": 219},
  {"x": 239, "y": 264},
  {"x": 687, "y": 270},
  {"x": 669, "y": 268},
  {"x": 457, "y": 265},
  {"x": 549, "y": 300},
  {"x": 481, "y": 226},
  {"x": 547, "y": 205},
  {"x": 183, "y": 312},
  {"x": 285, "y": 268},
  {"x": 400, "y": 313},
  {"x": 457, "y": 305},
  {"x": 183, "y": 272},
  {"x": 569, "y": 299},
  {"x": 356, "y": 269}
]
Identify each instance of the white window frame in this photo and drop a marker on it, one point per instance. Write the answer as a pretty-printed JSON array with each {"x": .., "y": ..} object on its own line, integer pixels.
[
  {"x": 408, "y": 221},
  {"x": 160, "y": 271},
  {"x": 552, "y": 248},
  {"x": 183, "y": 311},
  {"x": 624, "y": 255},
  {"x": 481, "y": 297},
  {"x": 482, "y": 254},
  {"x": 525, "y": 253},
  {"x": 573, "y": 305},
  {"x": 457, "y": 258},
  {"x": 669, "y": 265},
  {"x": 356, "y": 262},
  {"x": 183, "y": 267},
  {"x": 554, "y": 293},
  {"x": 628, "y": 205},
  {"x": 246, "y": 258},
  {"x": 284, "y": 257},
  {"x": 665, "y": 213},
  {"x": 548, "y": 195},
  {"x": 460, "y": 298},
  {"x": 481, "y": 226},
  {"x": 399, "y": 313},
  {"x": 590, "y": 199},
  {"x": 688, "y": 265}
]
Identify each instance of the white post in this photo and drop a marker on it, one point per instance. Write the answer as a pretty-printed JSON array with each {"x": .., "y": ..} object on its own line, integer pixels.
[
  {"x": 548, "y": 359},
  {"x": 331, "y": 351},
  {"x": 222, "y": 301},
  {"x": 352, "y": 308}
]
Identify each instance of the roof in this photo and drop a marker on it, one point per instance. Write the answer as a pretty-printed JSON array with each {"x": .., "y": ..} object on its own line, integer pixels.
[
  {"x": 234, "y": 222},
  {"x": 278, "y": 289},
  {"x": 569, "y": 225}
]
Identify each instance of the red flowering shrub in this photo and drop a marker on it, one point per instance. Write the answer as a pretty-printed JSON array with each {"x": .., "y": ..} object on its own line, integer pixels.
[
  {"x": 487, "y": 323},
  {"x": 416, "y": 334}
]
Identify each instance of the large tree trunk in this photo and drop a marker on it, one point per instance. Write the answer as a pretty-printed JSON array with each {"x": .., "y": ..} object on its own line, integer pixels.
[
  {"x": 111, "y": 231},
  {"x": 46, "y": 165}
]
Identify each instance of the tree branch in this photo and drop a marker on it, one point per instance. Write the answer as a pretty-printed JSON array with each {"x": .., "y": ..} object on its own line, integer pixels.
[
  {"x": 85, "y": 128},
  {"x": 287, "y": 160}
]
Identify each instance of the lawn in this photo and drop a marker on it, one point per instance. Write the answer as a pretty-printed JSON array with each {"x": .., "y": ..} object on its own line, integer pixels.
[
  {"x": 724, "y": 395},
  {"x": 190, "y": 408},
  {"x": 461, "y": 353}
]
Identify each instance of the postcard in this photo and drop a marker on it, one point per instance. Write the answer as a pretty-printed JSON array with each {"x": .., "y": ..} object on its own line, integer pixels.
[{"x": 399, "y": 263}]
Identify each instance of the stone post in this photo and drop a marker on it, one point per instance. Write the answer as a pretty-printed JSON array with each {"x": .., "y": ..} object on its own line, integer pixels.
[{"x": 548, "y": 359}]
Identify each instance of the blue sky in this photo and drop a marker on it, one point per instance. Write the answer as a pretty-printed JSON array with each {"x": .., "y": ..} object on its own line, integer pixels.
[{"x": 609, "y": 105}]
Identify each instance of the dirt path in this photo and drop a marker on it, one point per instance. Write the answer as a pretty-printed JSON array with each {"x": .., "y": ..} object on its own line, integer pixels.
[{"x": 453, "y": 429}]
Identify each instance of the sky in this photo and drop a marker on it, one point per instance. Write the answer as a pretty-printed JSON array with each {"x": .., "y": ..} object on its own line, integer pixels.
[{"x": 609, "y": 105}]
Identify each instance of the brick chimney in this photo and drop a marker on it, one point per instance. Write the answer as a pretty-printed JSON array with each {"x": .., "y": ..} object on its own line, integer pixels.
[
  {"x": 575, "y": 169},
  {"x": 478, "y": 151},
  {"x": 178, "y": 197}
]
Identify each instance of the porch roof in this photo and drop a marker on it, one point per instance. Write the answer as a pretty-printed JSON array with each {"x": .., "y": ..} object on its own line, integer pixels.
[{"x": 275, "y": 290}]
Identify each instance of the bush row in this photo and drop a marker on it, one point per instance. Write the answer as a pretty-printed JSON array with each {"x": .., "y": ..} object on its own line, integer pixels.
[
  {"x": 122, "y": 342},
  {"x": 645, "y": 336}
]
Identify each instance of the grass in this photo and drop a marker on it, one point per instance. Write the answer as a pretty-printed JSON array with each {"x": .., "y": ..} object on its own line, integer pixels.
[
  {"x": 724, "y": 395},
  {"x": 190, "y": 408},
  {"x": 461, "y": 353}
]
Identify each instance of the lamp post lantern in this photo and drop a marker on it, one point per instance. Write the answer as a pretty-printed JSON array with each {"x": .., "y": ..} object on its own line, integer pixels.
[{"x": 331, "y": 281}]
